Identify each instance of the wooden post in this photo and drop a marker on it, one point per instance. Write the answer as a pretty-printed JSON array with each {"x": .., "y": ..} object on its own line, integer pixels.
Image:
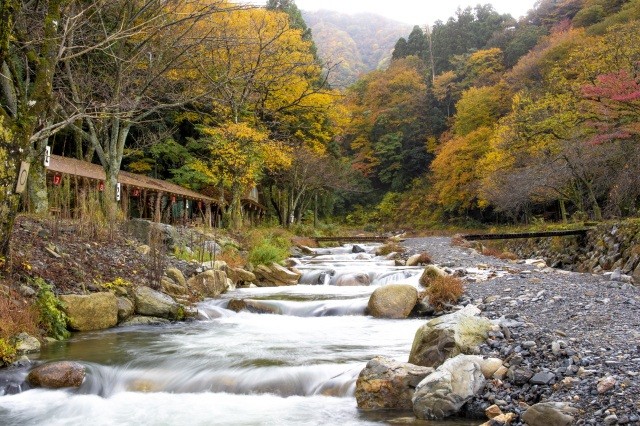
[
  {"x": 157, "y": 212},
  {"x": 207, "y": 215}
]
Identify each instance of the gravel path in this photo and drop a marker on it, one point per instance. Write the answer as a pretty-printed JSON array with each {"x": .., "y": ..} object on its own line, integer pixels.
[{"x": 581, "y": 331}]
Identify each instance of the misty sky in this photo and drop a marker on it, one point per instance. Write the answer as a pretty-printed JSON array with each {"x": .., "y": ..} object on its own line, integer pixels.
[{"x": 414, "y": 11}]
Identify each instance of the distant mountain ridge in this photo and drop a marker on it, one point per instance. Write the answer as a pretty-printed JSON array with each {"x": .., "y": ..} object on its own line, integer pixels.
[{"x": 353, "y": 43}]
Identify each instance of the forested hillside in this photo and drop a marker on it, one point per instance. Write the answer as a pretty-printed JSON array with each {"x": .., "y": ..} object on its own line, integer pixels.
[
  {"x": 355, "y": 44},
  {"x": 490, "y": 119}
]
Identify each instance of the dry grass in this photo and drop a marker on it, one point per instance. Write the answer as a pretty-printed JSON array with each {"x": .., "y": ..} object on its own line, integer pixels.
[
  {"x": 444, "y": 290},
  {"x": 232, "y": 257},
  {"x": 17, "y": 315},
  {"x": 457, "y": 240},
  {"x": 424, "y": 259},
  {"x": 492, "y": 251},
  {"x": 304, "y": 241},
  {"x": 389, "y": 248}
]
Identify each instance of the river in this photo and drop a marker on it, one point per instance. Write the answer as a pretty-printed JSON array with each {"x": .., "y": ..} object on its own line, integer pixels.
[{"x": 297, "y": 367}]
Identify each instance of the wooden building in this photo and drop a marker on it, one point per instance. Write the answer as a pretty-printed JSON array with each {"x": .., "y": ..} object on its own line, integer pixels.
[{"x": 154, "y": 199}]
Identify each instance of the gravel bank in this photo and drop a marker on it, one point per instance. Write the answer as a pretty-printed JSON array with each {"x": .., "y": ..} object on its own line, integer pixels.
[{"x": 566, "y": 336}]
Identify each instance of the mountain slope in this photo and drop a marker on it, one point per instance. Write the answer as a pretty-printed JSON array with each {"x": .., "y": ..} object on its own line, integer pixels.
[{"x": 353, "y": 43}]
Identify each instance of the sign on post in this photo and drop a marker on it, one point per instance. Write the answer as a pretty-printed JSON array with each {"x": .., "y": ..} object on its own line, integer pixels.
[
  {"x": 47, "y": 156},
  {"x": 118, "y": 191},
  {"x": 23, "y": 175}
]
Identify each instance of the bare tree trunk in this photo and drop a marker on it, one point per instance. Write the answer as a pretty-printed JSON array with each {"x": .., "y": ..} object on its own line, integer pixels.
[{"x": 37, "y": 183}]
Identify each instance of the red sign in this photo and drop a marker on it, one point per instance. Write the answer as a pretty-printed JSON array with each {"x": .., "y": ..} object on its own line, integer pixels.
[
  {"x": 57, "y": 179},
  {"x": 100, "y": 186},
  {"x": 173, "y": 198},
  {"x": 136, "y": 192}
]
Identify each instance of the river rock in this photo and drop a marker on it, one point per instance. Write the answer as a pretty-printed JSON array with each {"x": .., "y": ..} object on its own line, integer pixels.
[
  {"x": 177, "y": 276},
  {"x": 155, "y": 304},
  {"x": 126, "y": 308},
  {"x": 146, "y": 231},
  {"x": 95, "y": 311},
  {"x": 55, "y": 375},
  {"x": 549, "y": 413},
  {"x": 209, "y": 283},
  {"x": 352, "y": 279},
  {"x": 275, "y": 275},
  {"x": 442, "y": 393},
  {"x": 387, "y": 384},
  {"x": 430, "y": 273},
  {"x": 142, "y": 320},
  {"x": 447, "y": 336},
  {"x": 241, "y": 276},
  {"x": 172, "y": 288},
  {"x": 393, "y": 301},
  {"x": 26, "y": 344},
  {"x": 419, "y": 259},
  {"x": 255, "y": 306}
]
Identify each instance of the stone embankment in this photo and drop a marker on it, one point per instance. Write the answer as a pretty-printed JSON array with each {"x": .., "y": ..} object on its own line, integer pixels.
[{"x": 609, "y": 247}]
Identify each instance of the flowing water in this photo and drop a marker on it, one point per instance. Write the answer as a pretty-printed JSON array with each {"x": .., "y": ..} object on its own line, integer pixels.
[{"x": 295, "y": 367}]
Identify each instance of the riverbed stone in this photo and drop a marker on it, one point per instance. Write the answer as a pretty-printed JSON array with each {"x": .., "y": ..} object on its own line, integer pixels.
[
  {"x": 55, "y": 375},
  {"x": 275, "y": 275},
  {"x": 442, "y": 393},
  {"x": 393, "y": 301},
  {"x": 449, "y": 335},
  {"x": 548, "y": 413},
  {"x": 352, "y": 279},
  {"x": 144, "y": 320},
  {"x": 430, "y": 273},
  {"x": 254, "y": 306},
  {"x": 26, "y": 344},
  {"x": 96, "y": 311},
  {"x": 387, "y": 384},
  {"x": 150, "y": 302},
  {"x": 210, "y": 283},
  {"x": 126, "y": 308}
]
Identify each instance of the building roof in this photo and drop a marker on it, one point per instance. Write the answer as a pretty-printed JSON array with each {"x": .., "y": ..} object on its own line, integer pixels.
[{"x": 85, "y": 169}]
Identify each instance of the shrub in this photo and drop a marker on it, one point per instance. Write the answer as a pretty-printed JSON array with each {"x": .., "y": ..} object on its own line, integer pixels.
[
  {"x": 266, "y": 253},
  {"x": 444, "y": 290},
  {"x": 232, "y": 257},
  {"x": 7, "y": 352},
  {"x": 52, "y": 318}
]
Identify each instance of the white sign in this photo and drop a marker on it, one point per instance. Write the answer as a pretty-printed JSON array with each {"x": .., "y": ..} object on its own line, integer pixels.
[
  {"x": 22, "y": 177},
  {"x": 118, "y": 191},
  {"x": 47, "y": 156}
]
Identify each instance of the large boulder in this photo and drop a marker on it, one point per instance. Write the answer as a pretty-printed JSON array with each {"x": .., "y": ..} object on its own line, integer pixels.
[
  {"x": 549, "y": 413},
  {"x": 95, "y": 311},
  {"x": 442, "y": 393},
  {"x": 177, "y": 276},
  {"x": 210, "y": 283},
  {"x": 449, "y": 335},
  {"x": 241, "y": 276},
  {"x": 351, "y": 279},
  {"x": 430, "y": 273},
  {"x": 387, "y": 384},
  {"x": 393, "y": 301},
  {"x": 155, "y": 304},
  {"x": 172, "y": 288},
  {"x": 55, "y": 375},
  {"x": 126, "y": 308},
  {"x": 26, "y": 344},
  {"x": 275, "y": 275}
]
